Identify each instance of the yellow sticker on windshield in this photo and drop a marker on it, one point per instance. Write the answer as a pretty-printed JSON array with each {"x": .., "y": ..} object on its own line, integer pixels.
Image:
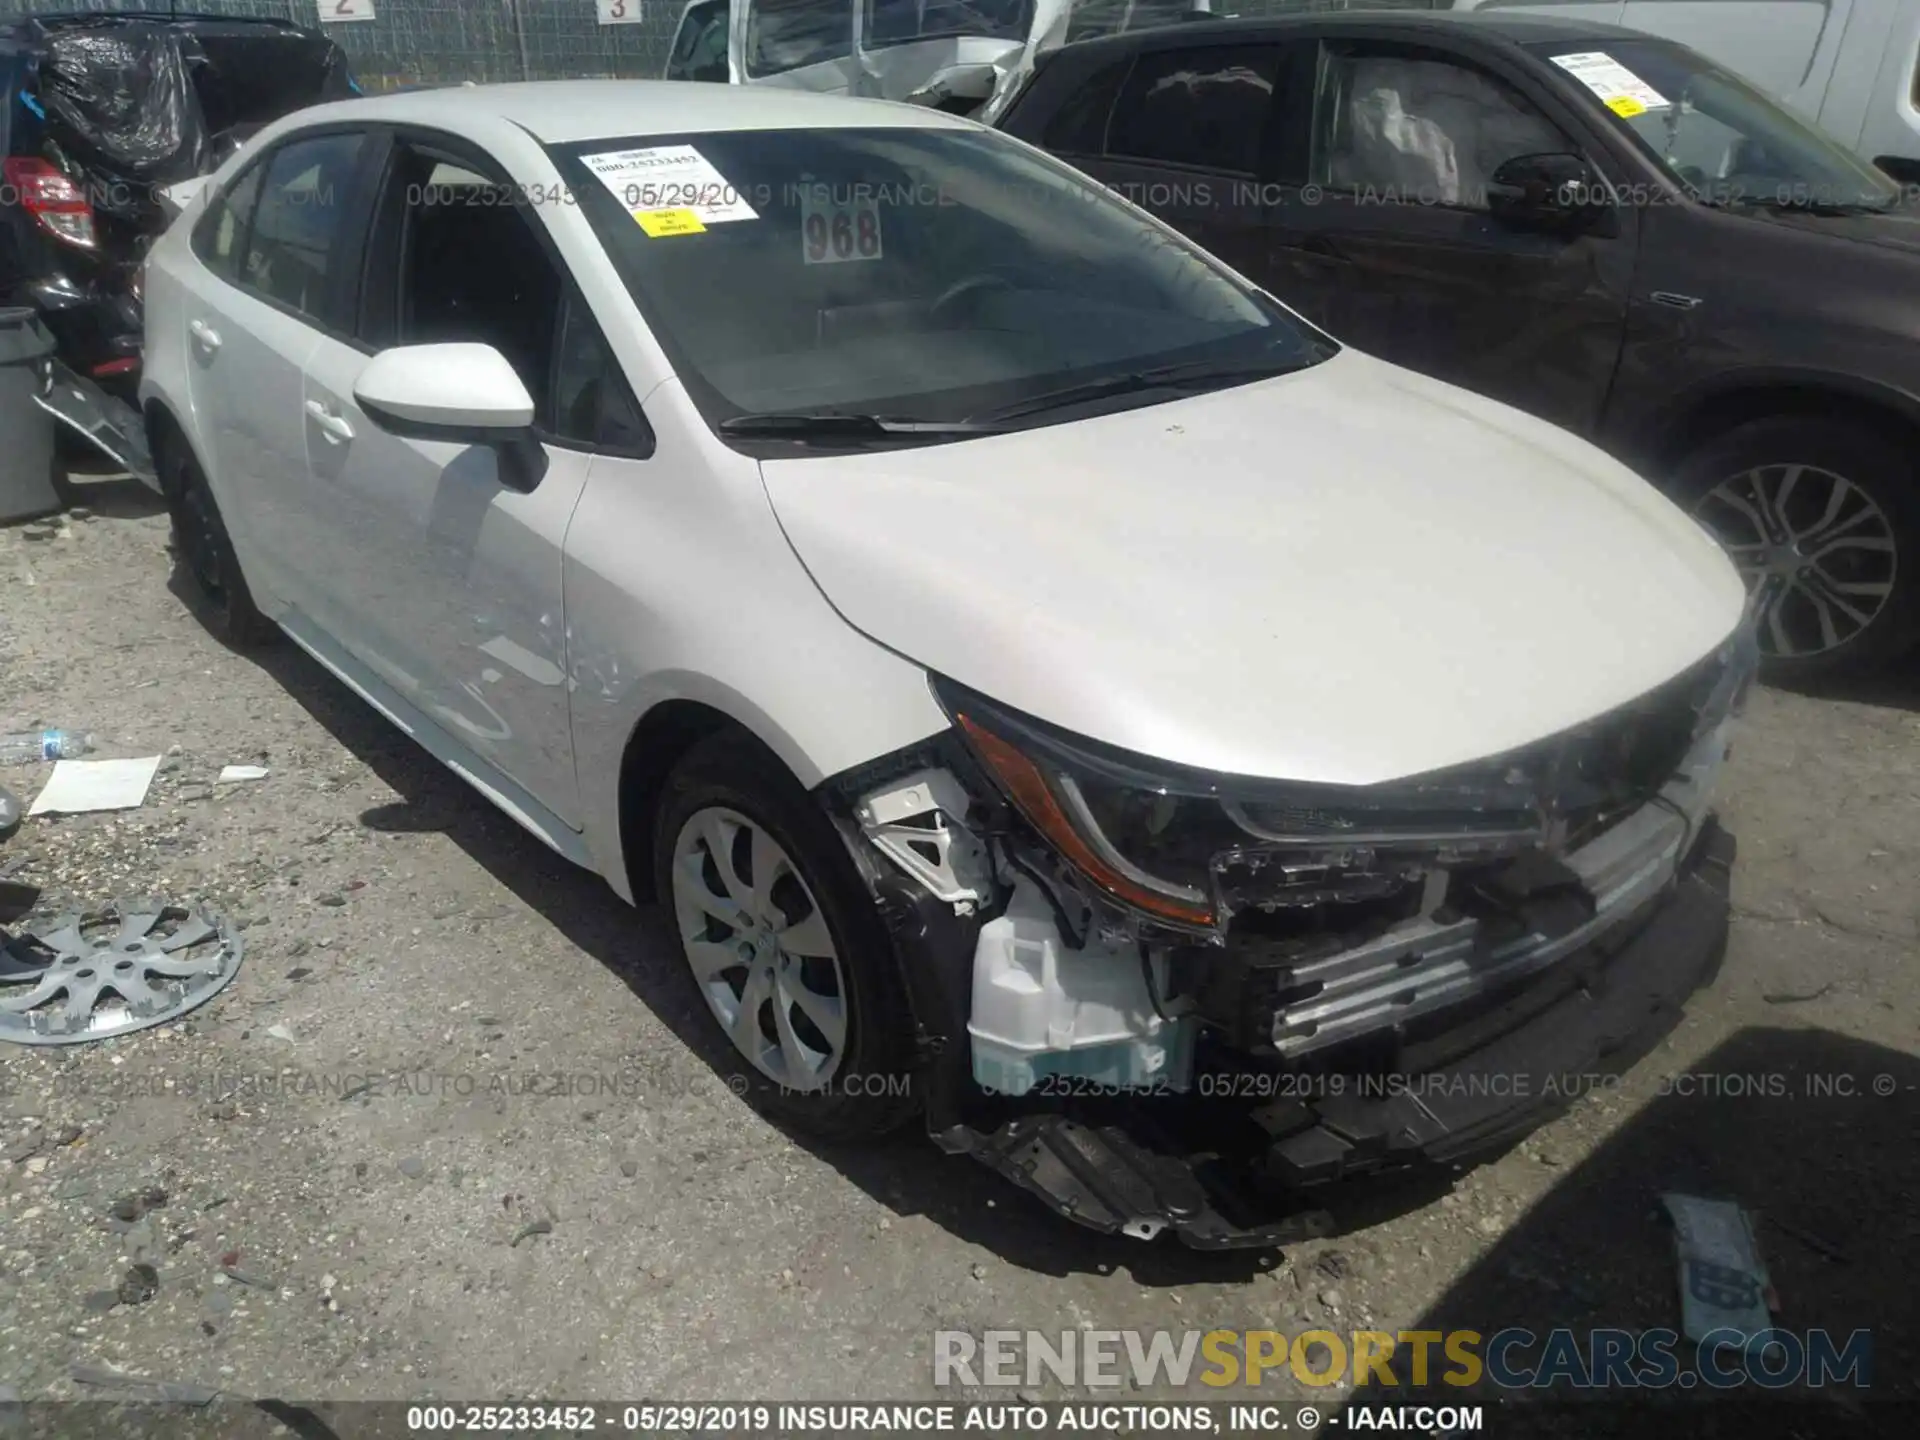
[
  {"x": 1626, "y": 107},
  {"x": 669, "y": 222}
]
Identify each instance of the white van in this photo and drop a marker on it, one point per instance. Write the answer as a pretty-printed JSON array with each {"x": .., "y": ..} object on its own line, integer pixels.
[{"x": 1850, "y": 66}]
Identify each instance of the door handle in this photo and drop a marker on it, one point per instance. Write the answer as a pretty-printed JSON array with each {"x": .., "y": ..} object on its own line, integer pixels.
[
  {"x": 1321, "y": 248},
  {"x": 204, "y": 335},
  {"x": 333, "y": 426}
]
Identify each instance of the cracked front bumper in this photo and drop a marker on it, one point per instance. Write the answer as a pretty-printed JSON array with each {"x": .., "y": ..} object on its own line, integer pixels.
[{"x": 1151, "y": 1164}]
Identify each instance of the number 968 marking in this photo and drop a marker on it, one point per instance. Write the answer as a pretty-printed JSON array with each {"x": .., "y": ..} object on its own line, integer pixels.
[{"x": 835, "y": 234}]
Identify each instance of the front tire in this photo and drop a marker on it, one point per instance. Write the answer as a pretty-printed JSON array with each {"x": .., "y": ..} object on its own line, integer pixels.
[
  {"x": 784, "y": 943},
  {"x": 206, "y": 553},
  {"x": 1823, "y": 518}
]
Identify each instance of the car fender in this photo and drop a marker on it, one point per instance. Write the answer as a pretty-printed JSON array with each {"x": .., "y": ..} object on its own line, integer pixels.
[{"x": 1676, "y": 426}]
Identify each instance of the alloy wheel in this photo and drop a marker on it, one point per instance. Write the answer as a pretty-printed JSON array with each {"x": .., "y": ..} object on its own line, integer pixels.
[
  {"x": 1817, "y": 553},
  {"x": 760, "y": 948}
]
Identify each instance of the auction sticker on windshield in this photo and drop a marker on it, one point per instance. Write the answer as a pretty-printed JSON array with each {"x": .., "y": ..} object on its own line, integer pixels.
[
  {"x": 1619, "y": 89},
  {"x": 669, "y": 189},
  {"x": 832, "y": 232}
]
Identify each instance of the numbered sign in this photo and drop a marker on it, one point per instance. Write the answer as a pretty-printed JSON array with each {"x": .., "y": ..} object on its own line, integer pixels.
[
  {"x": 619, "y": 12},
  {"x": 832, "y": 233},
  {"x": 332, "y": 12}
]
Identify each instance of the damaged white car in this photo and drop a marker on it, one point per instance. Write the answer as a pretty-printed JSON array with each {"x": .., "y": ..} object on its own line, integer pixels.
[
  {"x": 1050, "y": 688},
  {"x": 963, "y": 56}
]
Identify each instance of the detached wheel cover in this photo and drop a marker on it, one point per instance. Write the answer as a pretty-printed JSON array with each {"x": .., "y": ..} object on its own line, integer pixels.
[
  {"x": 130, "y": 967},
  {"x": 1818, "y": 554},
  {"x": 760, "y": 948}
]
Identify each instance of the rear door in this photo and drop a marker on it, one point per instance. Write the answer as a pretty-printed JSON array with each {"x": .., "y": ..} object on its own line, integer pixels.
[
  {"x": 1390, "y": 245},
  {"x": 272, "y": 249},
  {"x": 451, "y": 580},
  {"x": 1192, "y": 133}
]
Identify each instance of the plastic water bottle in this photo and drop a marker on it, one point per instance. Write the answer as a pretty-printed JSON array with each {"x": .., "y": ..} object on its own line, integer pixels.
[{"x": 31, "y": 745}]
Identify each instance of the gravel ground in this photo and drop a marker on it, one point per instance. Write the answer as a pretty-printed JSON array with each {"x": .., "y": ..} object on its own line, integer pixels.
[{"x": 486, "y": 1221}]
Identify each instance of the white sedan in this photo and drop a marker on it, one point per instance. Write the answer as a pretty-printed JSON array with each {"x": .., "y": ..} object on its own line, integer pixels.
[{"x": 1033, "y": 668}]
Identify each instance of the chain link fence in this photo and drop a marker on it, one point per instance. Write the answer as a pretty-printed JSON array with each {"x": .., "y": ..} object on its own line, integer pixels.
[{"x": 442, "y": 42}]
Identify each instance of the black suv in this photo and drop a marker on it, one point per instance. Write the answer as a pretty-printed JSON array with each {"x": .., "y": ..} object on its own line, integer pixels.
[
  {"x": 1600, "y": 227},
  {"x": 98, "y": 114}
]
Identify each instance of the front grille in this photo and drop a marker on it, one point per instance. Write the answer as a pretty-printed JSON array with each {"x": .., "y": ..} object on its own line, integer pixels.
[{"x": 1333, "y": 936}]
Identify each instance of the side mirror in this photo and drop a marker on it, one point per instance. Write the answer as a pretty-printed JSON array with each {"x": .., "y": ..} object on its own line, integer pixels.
[
  {"x": 462, "y": 393},
  {"x": 1546, "y": 192}
]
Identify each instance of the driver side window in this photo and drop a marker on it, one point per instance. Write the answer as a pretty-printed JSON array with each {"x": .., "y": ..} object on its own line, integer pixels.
[{"x": 1429, "y": 130}]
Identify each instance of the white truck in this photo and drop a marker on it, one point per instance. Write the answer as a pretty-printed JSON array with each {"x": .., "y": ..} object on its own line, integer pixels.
[{"x": 1850, "y": 66}]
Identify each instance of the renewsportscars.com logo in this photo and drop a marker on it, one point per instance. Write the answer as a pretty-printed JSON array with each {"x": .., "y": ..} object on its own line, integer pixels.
[{"x": 1512, "y": 1358}]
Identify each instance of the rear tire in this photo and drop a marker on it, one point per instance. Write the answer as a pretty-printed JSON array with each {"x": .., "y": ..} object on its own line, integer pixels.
[
  {"x": 784, "y": 942},
  {"x": 205, "y": 552},
  {"x": 1823, "y": 518}
]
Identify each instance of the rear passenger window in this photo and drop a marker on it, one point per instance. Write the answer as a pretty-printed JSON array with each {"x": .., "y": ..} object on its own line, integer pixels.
[
  {"x": 220, "y": 238},
  {"x": 1204, "y": 107},
  {"x": 300, "y": 220},
  {"x": 1079, "y": 126}
]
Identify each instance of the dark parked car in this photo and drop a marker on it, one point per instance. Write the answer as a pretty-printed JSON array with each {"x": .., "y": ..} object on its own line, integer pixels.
[
  {"x": 98, "y": 114},
  {"x": 1600, "y": 227}
]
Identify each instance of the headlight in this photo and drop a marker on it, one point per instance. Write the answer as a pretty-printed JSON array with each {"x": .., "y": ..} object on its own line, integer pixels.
[
  {"x": 1173, "y": 843},
  {"x": 1193, "y": 849},
  {"x": 1058, "y": 808}
]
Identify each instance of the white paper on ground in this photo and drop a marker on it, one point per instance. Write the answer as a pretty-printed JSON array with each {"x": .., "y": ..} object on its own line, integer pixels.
[
  {"x": 242, "y": 772},
  {"x": 79, "y": 786}
]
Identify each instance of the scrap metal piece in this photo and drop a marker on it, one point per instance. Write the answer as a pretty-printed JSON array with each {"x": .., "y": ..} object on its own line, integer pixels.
[
  {"x": 1726, "y": 1295},
  {"x": 1102, "y": 1178},
  {"x": 129, "y": 967}
]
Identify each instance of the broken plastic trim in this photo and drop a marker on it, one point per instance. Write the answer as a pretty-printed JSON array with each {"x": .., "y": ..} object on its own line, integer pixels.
[
  {"x": 114, "y": 427},
  {"x": 1102, "y": 1178}
]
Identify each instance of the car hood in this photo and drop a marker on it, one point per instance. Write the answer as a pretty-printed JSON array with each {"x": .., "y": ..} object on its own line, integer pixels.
[{"x": 1349, "y": 574}]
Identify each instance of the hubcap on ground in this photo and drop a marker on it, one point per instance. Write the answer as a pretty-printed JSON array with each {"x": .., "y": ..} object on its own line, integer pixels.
[
  {"x": 759, "y": 948},
  {"x": 1817, "y": 553}
]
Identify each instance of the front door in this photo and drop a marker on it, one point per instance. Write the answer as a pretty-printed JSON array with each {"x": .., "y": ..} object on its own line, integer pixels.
[
  {"x": 453, "y": 577},
  {"x": 1391, "y": 248}
]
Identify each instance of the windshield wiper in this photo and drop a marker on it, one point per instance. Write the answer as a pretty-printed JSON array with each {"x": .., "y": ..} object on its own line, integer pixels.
[
  {"x": 1194, "y": 375},
  {"x": 842, "y": 425}
]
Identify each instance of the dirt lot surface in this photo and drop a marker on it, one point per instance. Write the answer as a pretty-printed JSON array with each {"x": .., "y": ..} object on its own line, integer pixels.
[{"x": 545, "y": 1186}]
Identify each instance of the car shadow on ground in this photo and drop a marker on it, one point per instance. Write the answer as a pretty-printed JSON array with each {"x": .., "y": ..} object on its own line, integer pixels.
[
  {"x": 1817, "y": 1133},
  {"x": 907, "y": 1174},
  {"x": 1895, "y": 686}
]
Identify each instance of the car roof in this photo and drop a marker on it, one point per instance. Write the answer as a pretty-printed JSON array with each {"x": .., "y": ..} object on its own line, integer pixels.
[
  {"x": 1496, "y": 24},
  {"x": 558, "y": 112}
]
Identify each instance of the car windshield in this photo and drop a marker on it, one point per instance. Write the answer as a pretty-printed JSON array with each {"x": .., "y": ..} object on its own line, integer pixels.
[
  {"x": 899, "y": 22},
  {"x": 1712, "y": 131},
  {"x": 917, "y": 273}
]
